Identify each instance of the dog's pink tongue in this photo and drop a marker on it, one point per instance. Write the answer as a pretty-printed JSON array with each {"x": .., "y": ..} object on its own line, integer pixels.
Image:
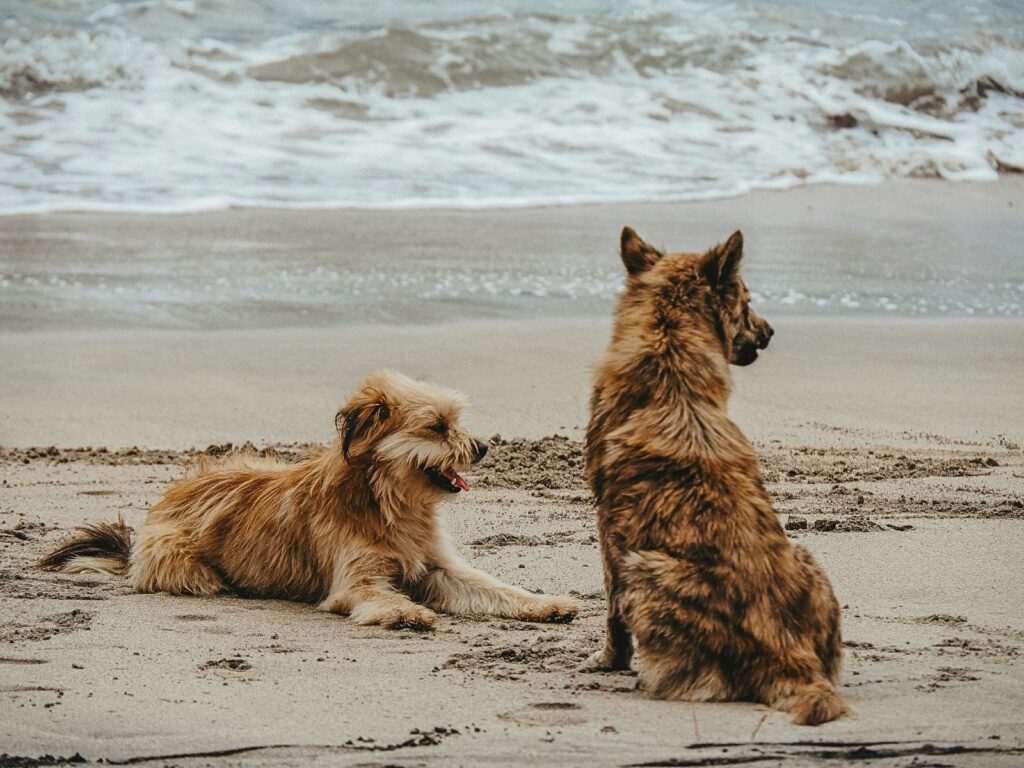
[{"x": 454, "y": 477}]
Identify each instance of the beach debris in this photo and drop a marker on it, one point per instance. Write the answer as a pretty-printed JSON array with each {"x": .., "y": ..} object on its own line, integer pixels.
[
  {"x": 851, "y": 524},
  {"x": 234, "y": 664},
  {"x": 942, "y": 618}
]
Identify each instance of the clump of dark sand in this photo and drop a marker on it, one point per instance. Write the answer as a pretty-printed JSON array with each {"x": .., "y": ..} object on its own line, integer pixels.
[
  {"x": 852, "y": 524},
  {"x": 842, "y": 465},
  {"x": 507, "y": 540},
  {"x": 554, "y": 462},
  {"x": 796, "y": 523},
  {"x": 235, "y": 664},
  {"x": 518, "y": 540},
  {"x": 503, "y": 661},
  {"x": 135, "y": 455}
]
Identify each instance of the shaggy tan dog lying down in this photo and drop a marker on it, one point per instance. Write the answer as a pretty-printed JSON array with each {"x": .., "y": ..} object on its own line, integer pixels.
[{"x": 354, "y": 527}]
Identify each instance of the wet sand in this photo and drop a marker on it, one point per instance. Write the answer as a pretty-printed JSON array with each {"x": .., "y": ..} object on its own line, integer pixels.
[{"x": 907, "y": 248}]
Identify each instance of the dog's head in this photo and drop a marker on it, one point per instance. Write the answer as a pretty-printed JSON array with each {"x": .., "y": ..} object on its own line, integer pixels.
[
  {"x": 409, "y": 432},
  {"x": 705, "y": 286}
]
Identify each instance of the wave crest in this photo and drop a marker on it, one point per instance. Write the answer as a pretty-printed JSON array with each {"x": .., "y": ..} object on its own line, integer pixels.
[
  {"x": 171, "y": 104},
  {"x": 67, "y": 60}
]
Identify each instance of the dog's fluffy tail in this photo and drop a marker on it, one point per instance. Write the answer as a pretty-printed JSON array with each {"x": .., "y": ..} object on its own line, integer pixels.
[
  {"x": 657, "y": 585},
  {"x": 99, "y": 547},
  {"x": 815, "y": 703}
]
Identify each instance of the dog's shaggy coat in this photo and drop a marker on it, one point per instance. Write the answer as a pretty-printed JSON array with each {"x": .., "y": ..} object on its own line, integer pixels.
[
  {"x": 697, "y": 568},
  {"x": 354, "y": 527}
]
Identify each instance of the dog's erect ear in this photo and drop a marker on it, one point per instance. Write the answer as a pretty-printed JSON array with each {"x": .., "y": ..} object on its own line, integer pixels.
[
  {"x": 721, "y": 265},
  {"x": 358, "y": 421},
  {"x": 637, "y": 255}
]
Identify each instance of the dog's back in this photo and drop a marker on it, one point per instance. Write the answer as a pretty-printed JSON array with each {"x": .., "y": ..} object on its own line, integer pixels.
[
  {"x": 241, "y": 512},
  {"x": 697, "y": 567},
  {"x": 243, "y": 459},
  {"x": 106, "y": 548}
]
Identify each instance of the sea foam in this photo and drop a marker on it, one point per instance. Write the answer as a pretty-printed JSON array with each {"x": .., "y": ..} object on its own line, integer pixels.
[{"x": 172, "y": 105}]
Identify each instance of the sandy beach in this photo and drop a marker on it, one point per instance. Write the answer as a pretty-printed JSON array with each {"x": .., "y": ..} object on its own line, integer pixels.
[{"x": 891, "y": 446}]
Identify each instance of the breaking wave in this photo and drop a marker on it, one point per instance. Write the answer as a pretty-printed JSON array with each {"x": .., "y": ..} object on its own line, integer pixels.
[{"x": 195, "y": 104}]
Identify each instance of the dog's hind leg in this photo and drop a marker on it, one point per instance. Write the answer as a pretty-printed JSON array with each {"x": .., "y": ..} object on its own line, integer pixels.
[
  {"x": 453, "y": 586},
  {"x": 165, "y": 560},
  {"x": 363, "y": 588},
  {"x": 823, "y": 615}
]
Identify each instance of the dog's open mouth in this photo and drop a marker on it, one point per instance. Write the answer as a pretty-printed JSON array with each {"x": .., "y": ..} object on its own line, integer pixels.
[{"x": 447, "y": 479}]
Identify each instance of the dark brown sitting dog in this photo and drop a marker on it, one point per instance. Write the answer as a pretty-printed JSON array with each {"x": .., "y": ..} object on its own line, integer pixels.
[{"x": 697, "y": 568}]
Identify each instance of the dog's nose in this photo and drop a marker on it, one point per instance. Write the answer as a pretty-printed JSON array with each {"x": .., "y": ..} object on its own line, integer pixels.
[
  {"x": 766, "y": 335},
  {"x": 480, "y": 450}
]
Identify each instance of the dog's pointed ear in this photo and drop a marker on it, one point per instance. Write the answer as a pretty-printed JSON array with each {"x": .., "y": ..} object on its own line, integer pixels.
[
  {"x": 637, "y": 255},
  {"x": 721, "y": 265},
  {"x": 356, "y": 421}
]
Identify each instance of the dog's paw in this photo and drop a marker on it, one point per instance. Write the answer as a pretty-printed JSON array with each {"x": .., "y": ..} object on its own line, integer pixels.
[
  {"x": 414, "y": 617},
  {"x": 555, "y": 610},
  {"x": 605, "y": 661},
  {"x": 417, "y": 621},
  {"x": 598, "y": 661}
]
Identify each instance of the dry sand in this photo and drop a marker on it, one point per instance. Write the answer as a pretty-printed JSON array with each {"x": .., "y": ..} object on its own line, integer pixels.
[
  {"x": 897, "y": 445},
  {"x": 525, "y": 378}
]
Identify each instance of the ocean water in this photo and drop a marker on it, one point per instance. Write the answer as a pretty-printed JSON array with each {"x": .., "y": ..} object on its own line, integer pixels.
[
  {"x": 169, "y": 106},
  {"x": 182, "y": 105}
]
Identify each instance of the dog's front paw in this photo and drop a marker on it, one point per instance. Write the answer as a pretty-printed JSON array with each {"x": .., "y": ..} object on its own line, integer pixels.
[
  {"x": 605, "y": 660},
  {"x": 414, "y": 617},
  {"x": 554, "y": 610},
  {"x": 420, "y": 620}
]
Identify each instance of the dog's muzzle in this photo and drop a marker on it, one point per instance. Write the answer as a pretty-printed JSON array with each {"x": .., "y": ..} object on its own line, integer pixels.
[
  {"x": 448, "y": 479},
  {"x": 745, "y": 354}
]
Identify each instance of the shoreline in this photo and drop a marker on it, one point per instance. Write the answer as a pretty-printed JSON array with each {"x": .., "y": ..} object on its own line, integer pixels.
[
  {"x": 508, "y": 204},
  {"x": 899, "y": 249}
]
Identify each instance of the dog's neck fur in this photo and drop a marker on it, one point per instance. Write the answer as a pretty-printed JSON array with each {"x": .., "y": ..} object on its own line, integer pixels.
[
  {"x": 688, "y": 364},
  {"x": 387, "y": 514},
  {"x": 678, "y": 380}
]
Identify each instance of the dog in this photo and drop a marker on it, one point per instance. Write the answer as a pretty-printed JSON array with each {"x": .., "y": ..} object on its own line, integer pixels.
[
  {"x": 697, "y": 568},
  {"x": 353, "y": 528}
]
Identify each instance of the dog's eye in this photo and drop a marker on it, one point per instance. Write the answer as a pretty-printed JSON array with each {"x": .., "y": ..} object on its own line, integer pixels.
[{"x": 440, "y": 428}]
